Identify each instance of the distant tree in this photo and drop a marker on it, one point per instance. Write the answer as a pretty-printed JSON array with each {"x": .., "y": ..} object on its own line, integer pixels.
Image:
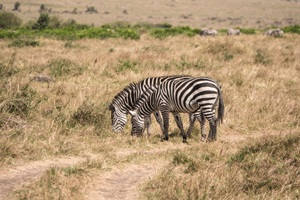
[
  {"x": 42, "y": 8},
  {"x": 9, "y": 20},
  {"x": 43, "y": 22},
  {"x": 17, "y": 5},
  {"x": 1, "y": 6}
]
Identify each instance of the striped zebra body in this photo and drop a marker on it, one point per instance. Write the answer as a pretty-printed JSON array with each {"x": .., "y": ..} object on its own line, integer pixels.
[
  {"x": 181, "y": 96},
  {"x": 233, "y": 32},
  {"x": 205, "y": 32},
  {"x": 273, "y": 32},
  {"x": 126, "y": 99}
]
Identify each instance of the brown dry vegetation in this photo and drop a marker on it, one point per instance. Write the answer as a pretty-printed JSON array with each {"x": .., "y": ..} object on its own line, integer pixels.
[
  {"x": 195, "y": 13},
  {"x": 260, "y": 79}
]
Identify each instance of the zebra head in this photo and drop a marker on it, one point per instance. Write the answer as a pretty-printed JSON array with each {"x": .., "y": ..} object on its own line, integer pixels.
[
  {"x": 118, "y": 118},
  {"x": 137, "y": 123}
]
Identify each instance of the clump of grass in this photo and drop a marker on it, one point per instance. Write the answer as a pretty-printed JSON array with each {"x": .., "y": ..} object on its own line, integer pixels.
[
  {"x": 88, "y": 114},
  {"x": 60, "y": 183},
  {"x": 227, "y": 56},
  {"x": 126, "y": 65},
  {"x": 69, "y": 44},
  {"x": 91, "y": 9},
  {"x": 22, "y": 43},
  {"x": 61, "y": 67},
  {"x": 262, "y": 57},
  {"x": 266, "y": 163},
  {"x": 7, "y": 70},
  {"x": 227, "y": 48}
]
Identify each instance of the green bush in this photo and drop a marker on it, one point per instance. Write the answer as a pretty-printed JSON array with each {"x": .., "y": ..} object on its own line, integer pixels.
[
  {"x": 247, "y": 31},
  {"x": 55, "y": 22},
  {"x": 163, "y": 33},
  {"x": 42, "y": 23},
  {"x": 22, "y": 43},
  {"x": 292, "y": 29},
  {"x": 9, "y": 20},
  {"x": 17, "y": 5}
]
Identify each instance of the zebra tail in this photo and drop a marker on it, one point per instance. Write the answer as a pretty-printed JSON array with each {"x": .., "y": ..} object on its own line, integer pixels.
[{"x": 221, "y": 109}]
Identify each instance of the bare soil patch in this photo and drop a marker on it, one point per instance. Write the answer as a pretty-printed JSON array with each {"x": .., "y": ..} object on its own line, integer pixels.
[
  {"x": 120, "y": 183},
  {"x": 12, "y": 178}
]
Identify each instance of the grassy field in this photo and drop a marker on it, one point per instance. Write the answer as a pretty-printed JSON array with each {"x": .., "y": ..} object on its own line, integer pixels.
[
  {"x": 256, "y": 156},
  {"x": 195, "y": 13}
]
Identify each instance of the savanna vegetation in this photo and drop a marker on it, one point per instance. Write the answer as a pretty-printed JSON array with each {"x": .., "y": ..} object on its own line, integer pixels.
[{"x": 66, "y": 112}]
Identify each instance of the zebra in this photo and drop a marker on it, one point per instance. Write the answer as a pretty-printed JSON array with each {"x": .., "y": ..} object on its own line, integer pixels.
[
  {"x": 181, "y": 96},
  {"x": 274, "y": 32},
  {"x": 206, "y": 31},
  {"x": 233, "y": 32},
  {"x": 125, "y": 101}
]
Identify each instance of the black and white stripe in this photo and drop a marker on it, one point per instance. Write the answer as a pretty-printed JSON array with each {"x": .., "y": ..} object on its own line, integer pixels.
[
  {"x": 233, "y": 32},
  {"x": 126, "y": 99},
  {"x": 191, "y": 95},
  {"x": 205, "y": 32}
]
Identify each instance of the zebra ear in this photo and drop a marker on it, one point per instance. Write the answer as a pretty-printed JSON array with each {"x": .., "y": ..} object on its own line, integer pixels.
[{"x": 132, "y": 112}]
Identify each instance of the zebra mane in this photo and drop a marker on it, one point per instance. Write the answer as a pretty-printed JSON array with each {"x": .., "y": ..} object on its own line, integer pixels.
[
  {"x": 144, "y": 97},
  {"x": 129, "y": 88}
]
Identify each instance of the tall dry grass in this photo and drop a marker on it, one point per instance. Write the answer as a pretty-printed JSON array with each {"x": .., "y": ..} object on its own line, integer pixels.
[{"x": 39, "y": 120}]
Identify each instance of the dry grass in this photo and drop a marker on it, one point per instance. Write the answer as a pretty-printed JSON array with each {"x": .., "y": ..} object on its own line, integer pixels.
[
  {"x": 69, "y": 117},
  {"x": 200, "y": 14}
]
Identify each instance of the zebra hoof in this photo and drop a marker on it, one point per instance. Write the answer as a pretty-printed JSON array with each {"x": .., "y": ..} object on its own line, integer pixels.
[{"x": 166, "y": 138}]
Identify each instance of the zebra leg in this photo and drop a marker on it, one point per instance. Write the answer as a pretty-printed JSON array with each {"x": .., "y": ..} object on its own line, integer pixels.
[
  {"x": 192, "y": 122},
  {"x": 148, "y": 124},
  {"x": 213, "y": 129},
  {"x": 165, "y": 115},
  {"x": 201, "y": 119},
  {"x": 158, "y": 119},
  {"x": 179, "y": 124}
]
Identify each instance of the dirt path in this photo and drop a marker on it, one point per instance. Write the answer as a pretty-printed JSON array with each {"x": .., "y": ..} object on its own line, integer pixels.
[
  {"x": 120, "y": 182},
  {"x": 12, "y": 178}
]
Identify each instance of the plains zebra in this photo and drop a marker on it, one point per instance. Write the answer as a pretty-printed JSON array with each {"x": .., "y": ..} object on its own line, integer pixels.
[
  {"x": 274, "y": 32},
  {"x": 125, "y": 101},
  {"x": 233, "y": 32},
  {"x": 181, "y": 96},
  {"x": 206, "y": 31}
]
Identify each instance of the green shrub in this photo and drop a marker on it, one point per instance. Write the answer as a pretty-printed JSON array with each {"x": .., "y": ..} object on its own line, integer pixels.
[
  {"x": 91, "y": 9},
  {"x": 247, "y": 31},
  {"x": 69, "y": 22},
  {"x": 42, "y": 23},
  {"x": 16, "y": 6},
  {"x": 227, "y": 56},
  {"x": 55, "y": 22},
  {"x": 9, "y": 20},
  {"x": 22, "y": 43},
  {"x": 163, "y": 33},
  {"x": 42, "y": 8},
  {"x": 120, "y": 25},
  {"x": 292, "y": 29}
]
